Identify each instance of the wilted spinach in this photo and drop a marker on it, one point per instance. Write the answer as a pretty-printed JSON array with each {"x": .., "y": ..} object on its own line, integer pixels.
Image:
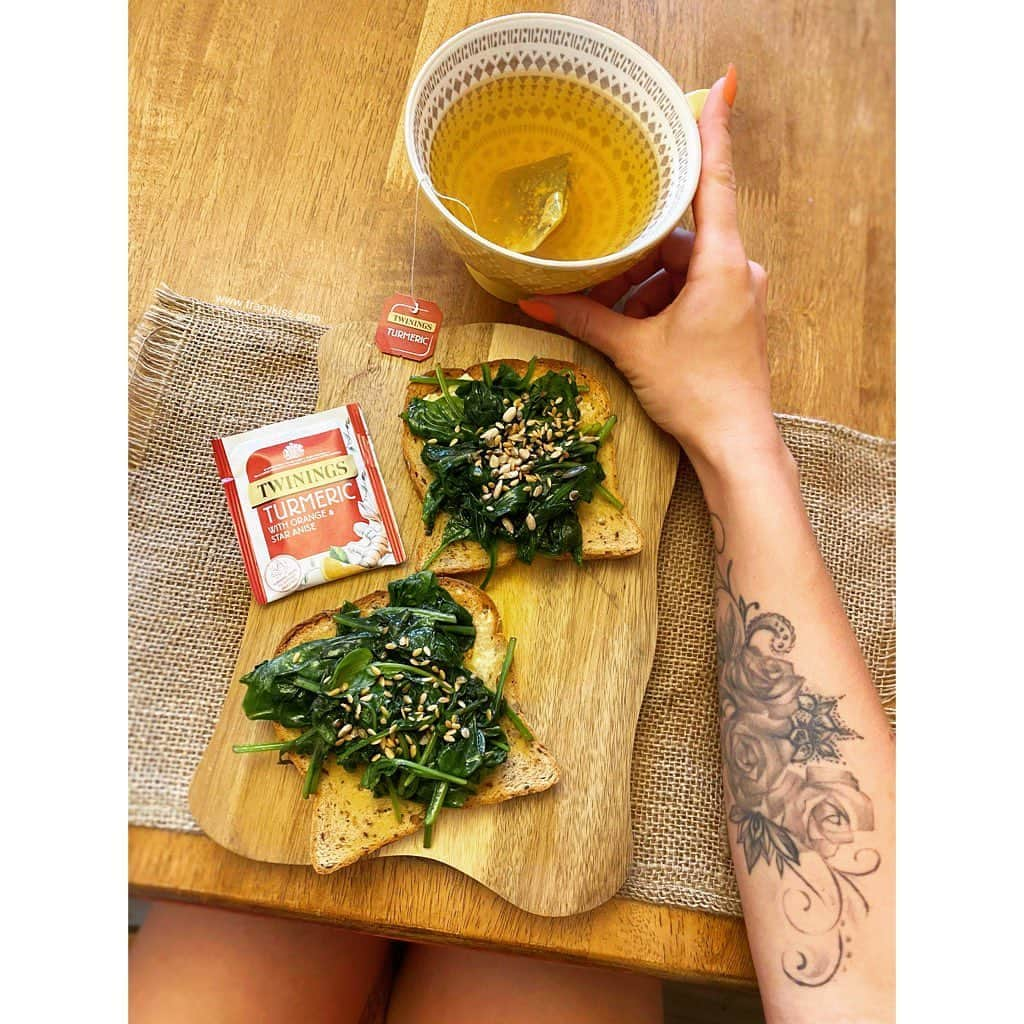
[
  {"x": 389, "y": 696},
  {"x": 511, "y": 460}
]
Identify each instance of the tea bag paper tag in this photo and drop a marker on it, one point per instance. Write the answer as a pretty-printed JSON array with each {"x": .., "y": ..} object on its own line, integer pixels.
[{"x": 408, "y": 327}]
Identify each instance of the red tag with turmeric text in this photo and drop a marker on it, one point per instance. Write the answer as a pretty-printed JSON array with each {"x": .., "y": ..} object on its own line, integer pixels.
[{"x": 408, "y": 327}]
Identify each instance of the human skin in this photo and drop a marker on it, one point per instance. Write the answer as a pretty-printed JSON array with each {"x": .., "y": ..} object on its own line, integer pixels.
[{"x": 808, "y": 755}]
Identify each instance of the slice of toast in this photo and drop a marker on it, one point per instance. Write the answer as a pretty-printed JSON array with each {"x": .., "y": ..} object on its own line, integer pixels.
[
  {"x": 349, "y": 822},
  {"x": 607, "y": 532}
]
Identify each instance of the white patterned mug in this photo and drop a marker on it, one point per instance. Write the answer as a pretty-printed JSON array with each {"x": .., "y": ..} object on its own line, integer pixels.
[{"x": 555, "y": 44}]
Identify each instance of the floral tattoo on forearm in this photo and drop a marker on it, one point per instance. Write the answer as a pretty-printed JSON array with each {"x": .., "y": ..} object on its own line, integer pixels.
[{"x": 791, "y": 802}]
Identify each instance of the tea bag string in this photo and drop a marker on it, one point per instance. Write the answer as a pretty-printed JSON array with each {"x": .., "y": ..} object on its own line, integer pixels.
[{"x": 424, "y": 182}]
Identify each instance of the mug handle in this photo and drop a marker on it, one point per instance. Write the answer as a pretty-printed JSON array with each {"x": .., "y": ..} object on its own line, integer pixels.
[{"x": 696, "y": 101}]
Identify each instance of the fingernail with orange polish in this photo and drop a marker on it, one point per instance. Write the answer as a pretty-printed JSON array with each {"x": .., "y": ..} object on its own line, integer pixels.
[
  {"x": 729, "y": 92},
  {"x": 538, "y": 310}
]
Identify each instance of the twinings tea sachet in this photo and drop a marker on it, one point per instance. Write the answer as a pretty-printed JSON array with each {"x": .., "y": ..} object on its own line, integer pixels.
[
  {"x": 611, "y": 174},
  {"x": 308, "y": 502}
]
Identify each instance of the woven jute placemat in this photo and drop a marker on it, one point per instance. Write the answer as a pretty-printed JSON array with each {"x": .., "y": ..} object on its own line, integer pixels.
[{"x": 205, "y": 371}]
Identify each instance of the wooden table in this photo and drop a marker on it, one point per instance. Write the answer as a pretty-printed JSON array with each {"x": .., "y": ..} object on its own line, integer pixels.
[{"x": 267, "y": 166}]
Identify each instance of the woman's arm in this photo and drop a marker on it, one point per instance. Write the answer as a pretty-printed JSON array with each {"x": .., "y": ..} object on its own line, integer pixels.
[{"x": 807, "y": 752}]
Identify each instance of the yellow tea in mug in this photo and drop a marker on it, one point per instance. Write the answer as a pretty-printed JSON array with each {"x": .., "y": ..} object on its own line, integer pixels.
[{"x": 536, "y": 158}]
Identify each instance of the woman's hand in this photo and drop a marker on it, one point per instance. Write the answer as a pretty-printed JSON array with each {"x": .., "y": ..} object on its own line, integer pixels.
[{"x": 692, "y": 341}]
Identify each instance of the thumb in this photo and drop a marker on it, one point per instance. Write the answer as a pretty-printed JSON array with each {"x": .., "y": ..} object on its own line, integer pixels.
[
  {"x": 583, "y": 318},
  {"x": 714, "y": 205}
]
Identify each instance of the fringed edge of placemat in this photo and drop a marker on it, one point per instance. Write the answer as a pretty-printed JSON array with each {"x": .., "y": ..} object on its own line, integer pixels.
[
  {"x": 156, "y": 343},
  {"x": 870, "y": 440}
]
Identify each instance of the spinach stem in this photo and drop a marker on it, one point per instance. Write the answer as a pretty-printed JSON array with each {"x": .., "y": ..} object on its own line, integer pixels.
[
  {"x": 395, "y": 806},
  {"x": 606, "y": 428},
  {"x": 430, "y": 773},
  {"x": 429, "y": 749},
  {"x": 257, "y": 748},
  {"x": 503, "y": 674},
  {"x": 530, "y": 367},
  {"x": 433, "y": 810},
  {"x": 492, "y": 561},
  {"x": 305, "y": 684},
  {"x": 459, "y": 630},
  {"x": 434, "y": 378},
  {"x": 429, "y": 613},
  {"x": 444, "y": 544},
  {"x": 391, "y": 667},
  {"x": 518, "y": 723},
  {"x": 312, "y": 779},
  {"x": 433, "y": 556},
  {"x": 443, "y": 381},
  {"x": 344, "y": 620},
  {"x": 607, "y": 495}
]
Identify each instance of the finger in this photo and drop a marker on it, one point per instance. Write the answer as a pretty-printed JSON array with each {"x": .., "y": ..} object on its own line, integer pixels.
[
  {"x": 673, "y": 254},
  {"x": 714, "y": 205},
  {"x": 652, "y": 296},
  {"x": 759, "y": 276},
  {"x": 676, "y": 251},
  {"x": 583, "y": 318},
  {"x": 609, "y": 292},
  {"x": 650, "y": 264}
]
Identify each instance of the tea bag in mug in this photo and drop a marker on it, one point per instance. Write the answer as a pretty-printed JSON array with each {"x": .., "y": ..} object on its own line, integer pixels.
[{"x": 525, "y": 204}]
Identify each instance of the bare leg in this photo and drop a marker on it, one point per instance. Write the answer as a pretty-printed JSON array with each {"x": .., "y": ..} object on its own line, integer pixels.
[
  {"x": 464, "y": 986},
  {"x": 197, "y": 963}
]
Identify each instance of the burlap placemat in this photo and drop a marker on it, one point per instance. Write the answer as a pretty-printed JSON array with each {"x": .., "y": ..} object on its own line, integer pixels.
[{"x": 204, "y": 371}]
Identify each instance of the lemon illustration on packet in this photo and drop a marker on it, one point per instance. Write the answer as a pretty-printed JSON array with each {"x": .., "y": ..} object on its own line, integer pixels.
[{"x": 525, "y": 204}]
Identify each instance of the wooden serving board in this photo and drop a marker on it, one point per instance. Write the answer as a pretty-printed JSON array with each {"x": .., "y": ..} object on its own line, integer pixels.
[{"x": 586, "y": 644}]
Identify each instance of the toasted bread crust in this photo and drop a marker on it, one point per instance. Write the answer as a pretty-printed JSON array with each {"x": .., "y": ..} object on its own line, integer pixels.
[
  {"x": 607, "y": 532},
  {"x": 350, "y": 822}
]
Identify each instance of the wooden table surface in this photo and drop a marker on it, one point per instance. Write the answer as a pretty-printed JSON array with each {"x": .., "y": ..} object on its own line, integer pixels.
[{"x": 266, "y": 165}]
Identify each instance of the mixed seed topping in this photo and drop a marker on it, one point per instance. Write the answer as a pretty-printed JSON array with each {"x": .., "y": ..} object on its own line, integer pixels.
[
  {"x": 377, "y": 698},
  {"x": 520, "y": 463}
]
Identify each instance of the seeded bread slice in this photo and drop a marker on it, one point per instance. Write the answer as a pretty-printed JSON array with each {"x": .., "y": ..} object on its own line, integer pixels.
[
  {"x": 607, "y": 532},
  {"x": 349, "y": 822}
]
